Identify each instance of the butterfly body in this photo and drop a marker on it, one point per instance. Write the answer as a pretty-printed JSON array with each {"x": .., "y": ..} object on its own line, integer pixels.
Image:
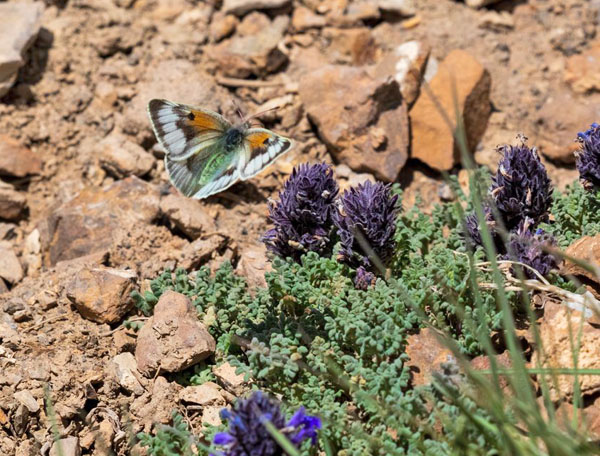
[{"x": 205, "y": 154}]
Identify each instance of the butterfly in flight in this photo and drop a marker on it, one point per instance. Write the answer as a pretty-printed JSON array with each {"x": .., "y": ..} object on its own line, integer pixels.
[{"x": 205, "y": 154}]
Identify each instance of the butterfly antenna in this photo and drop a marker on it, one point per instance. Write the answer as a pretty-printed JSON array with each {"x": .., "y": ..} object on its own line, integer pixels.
[
  {"x": 238, "y": 110},
  {"x": 258, "y": 114}
]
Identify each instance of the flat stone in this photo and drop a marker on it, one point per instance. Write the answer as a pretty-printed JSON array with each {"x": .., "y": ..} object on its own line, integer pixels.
[
  {"x": 26, "y": 398},
  {"x": 102, "y": 294},
  {"x": 68, "y": 446},
  {"x": 89, "y": 224},
  {"x": 188, "y": 215},
  {"x": 433, "y": 141},
  {"x": 232, "y": 382},
  {"x": 363, "y": 120},
  {"x": 20, "y": 25},
  {"x": 10, "y": 267},
  {"x": 398, "y": 7},
  {"x": 207, "y": 394},
  {"x": 253, "y": 50},
  {"x": 173, "y": 339},
  {"x": 406, "y": 64},
  {"x": 222, "y": 25},
  {"x": 12, "y": 202},
  {"x": 558, "y": 327},
  {"x": 211, "y": 415},
  {"x": 201, "y": 250},
  {"x": 480, "y": 3},
  {"x": 557, "y": 127},
  {"x": 121, "y": 157},
  {"x": 124, "y": 367},
  {"x": 17, "y": 160},
  {"x": 426, "y": 355},
  {"x": 304, "y": 19},
  {"x": 241, "y": 7}
]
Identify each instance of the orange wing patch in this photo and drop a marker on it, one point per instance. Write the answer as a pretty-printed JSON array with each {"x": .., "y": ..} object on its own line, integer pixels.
[
  {"x": 203, "y": 121},
  {"x": 258, "y": 140}
]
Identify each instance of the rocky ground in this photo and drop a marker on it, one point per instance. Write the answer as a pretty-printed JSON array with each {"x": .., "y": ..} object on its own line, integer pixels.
[{"x": 86, "y": 211}]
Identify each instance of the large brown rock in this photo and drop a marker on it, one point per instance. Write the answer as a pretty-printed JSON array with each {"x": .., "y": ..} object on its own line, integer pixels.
[
  {"x": 173, "y": 339},
  {"x": 102, "y": 294},
  {"x": 363, "y": 120},
  {"x": 559, "y": 327},
  {"x": 17, "y": 160},
  {"x": 92, "y": 222},
  {"x": 433, "y": 141},
  {"x": 557, "y": 127}
]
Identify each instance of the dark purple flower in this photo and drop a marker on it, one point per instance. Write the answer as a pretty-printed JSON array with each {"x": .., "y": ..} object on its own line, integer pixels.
[
  {"x": 473, "y": 233},
  {"x": 521, "y": 187},
  {"x": 588, "y": 158},
  {"x": 366, "y": 222},
  {"x": 363, "y": 279},
  {"x": 303, "y": 214},
  {"x": 247, "y": 434},
  {"x": 528, "y": 248}
]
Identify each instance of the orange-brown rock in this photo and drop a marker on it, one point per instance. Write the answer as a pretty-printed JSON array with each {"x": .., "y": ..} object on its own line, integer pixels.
[
  {"x": 426, "y": 355},
  {"x": 433, "y": 142},
  {"x": 17, "y": 160},
  {"x": 173, "y": 339},
  {"x": 558, "y": 328},
  {"x": 586, "y": 249},
  {"x": 362, "y": 120},
  {"x": 582, "y": 71},
  {"x": 483, "y": 362},
  {"x": 557, "y": 127},
  {"x": 102, "y": 294}
]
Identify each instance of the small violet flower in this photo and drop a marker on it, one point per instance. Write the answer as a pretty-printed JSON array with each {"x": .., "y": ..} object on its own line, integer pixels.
[
  {"x": 366, "y": 215},
  {"x": 303, "y": 214},
  {"x": 521, "y": 187},
  {"x": 248, "y": 435},
  {"x": 527, "y": 247},
  {"x": 588, "y": 158}
]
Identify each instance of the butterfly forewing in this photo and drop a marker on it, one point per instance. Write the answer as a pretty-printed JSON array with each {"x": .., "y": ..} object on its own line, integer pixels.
[
  {"x": 262, "y": 148},
  {"x": 183, "y": 130}
]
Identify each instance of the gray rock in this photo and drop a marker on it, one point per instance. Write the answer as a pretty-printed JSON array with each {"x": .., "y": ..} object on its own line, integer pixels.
[
  {"x": 124, "y": 368},
  {"x": 122, "y": 157},
  {"x": 174, "y": 338},
  {"x": 400, "y": 7},
  {"x": 26, "y": 398},
  {"x": 20, "y": 25},
  {"x": 207, "y": 394},
  {"x": 69, "y": 446},
  {"x": 241, "y": 7},
  {"x": 10, "y": 267},
  {"x": 232, "y": 382},
  {"x": 480, "y": 3}
]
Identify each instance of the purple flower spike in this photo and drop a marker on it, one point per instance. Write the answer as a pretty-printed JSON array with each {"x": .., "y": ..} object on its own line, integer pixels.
[
  {"x": 364, "y": 279},
  {"x": 472, "y": 227},
  {"x": 521, "y": 187},
  {"x": 588, "y": 158},
  {"x": 367, "y": 213},
  {"x": 303, "y": 214},
  {"x": 528, "y": 248},
  {"x": 247, "y": 434}
]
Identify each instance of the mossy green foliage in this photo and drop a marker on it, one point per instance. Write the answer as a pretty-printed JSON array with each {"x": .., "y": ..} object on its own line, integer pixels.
[
  {"x": 318, "y": 342},
  {"x": 576, "y": 213}
]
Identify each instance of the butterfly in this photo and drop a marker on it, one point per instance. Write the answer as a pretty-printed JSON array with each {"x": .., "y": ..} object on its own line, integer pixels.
[{"x": 205, "y": 153}]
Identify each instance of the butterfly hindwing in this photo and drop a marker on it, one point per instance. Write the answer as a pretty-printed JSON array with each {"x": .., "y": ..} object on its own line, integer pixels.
[
  {"x": 262, "y": 148},
  {"x": 202, "y": 175},
  {"x": 183, "y": 130}
]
